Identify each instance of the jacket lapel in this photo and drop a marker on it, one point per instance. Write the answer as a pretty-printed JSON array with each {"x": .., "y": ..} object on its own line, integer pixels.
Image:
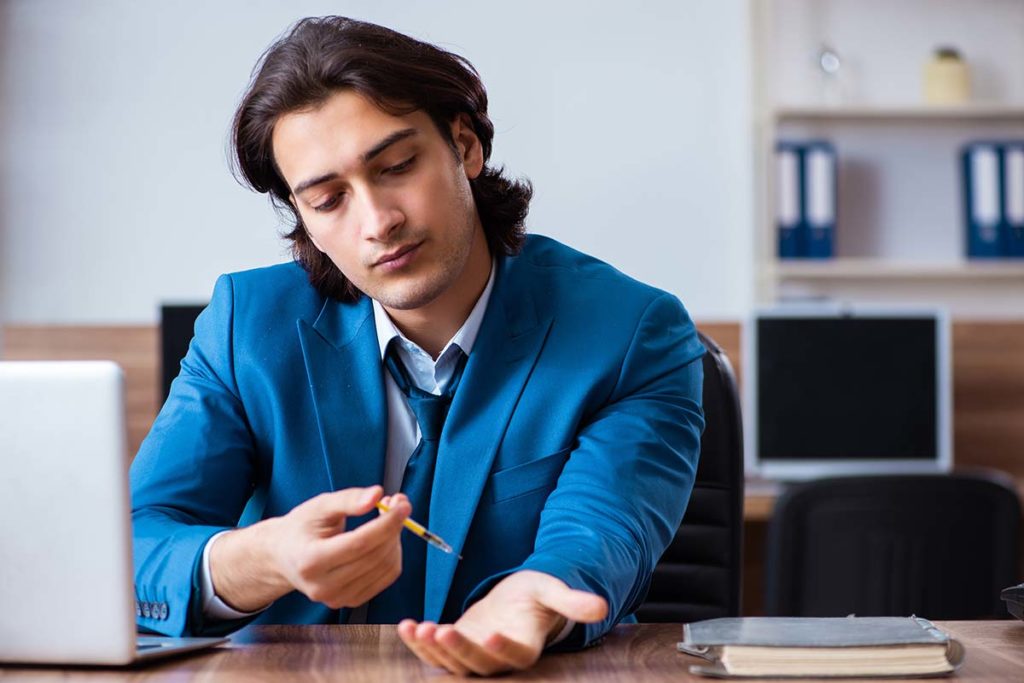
[
  {"x": 344, "y": 372},
  {"x": 510, "y": 339}
]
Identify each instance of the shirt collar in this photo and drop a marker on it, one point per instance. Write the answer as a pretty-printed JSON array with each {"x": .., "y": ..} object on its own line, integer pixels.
[{"x": 464, "y": 338}]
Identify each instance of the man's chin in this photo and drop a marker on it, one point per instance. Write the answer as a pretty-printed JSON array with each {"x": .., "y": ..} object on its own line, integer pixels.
[{"x": 407, "y": 299}]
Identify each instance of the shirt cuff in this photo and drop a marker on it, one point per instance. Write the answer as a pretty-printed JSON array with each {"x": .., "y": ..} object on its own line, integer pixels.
[{"x": 213, "y": 607}]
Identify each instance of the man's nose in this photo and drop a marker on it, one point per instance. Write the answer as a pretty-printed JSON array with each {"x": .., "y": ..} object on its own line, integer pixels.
[{"x": 380, "y": 216}]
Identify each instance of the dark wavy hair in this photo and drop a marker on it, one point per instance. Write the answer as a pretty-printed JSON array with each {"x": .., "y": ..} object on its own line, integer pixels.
[{"x": 320, "y": 56}]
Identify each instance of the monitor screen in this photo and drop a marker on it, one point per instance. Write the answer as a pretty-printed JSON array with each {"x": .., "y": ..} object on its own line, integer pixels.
[{"x": 848, "y": 392}]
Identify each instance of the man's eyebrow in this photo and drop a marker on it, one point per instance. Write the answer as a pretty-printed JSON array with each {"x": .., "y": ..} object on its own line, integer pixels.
[
  {"x": 306, "y": 184},
  {"x": 366, "y": 157},
  {"x": 397, "y": 136}
]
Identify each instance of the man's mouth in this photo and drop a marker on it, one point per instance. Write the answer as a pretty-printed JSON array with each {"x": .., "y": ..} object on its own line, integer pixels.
[{"x": 397, "y": 254}]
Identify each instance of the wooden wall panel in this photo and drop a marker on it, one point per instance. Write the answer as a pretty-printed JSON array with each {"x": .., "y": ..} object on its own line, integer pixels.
[
  {"x": 988, "y": 395},
  {"x": 135, "y": 348},
  {"x": 726, "y": 335}
]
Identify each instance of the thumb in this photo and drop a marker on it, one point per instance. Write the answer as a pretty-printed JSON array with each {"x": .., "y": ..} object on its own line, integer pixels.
[
  {"x": 349, "y": 502},
  {"x": 577, "y": 605}
]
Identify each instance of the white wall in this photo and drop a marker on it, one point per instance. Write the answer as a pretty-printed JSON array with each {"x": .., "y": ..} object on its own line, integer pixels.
[
  {"x": 632, "y": 120},
  {"x": 884, "y": 46}
]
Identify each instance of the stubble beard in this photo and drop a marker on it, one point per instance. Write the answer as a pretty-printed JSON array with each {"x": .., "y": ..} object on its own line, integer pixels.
[{"x": 447, "y": 265}]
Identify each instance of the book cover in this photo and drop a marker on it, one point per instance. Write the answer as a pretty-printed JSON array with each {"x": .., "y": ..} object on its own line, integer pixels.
[
  {"x": 1013, "y": 198},
  {"x": 981, "y": 170},
  {"x": 858, "y": 647},
  {"x": 819, "y": 199},
  {"x": 789, "y": 211}
]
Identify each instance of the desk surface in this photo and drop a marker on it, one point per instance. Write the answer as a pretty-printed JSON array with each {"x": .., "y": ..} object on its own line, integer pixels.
[
  {"x": 995, "y": 652},
  {"x": 758, "y": 507}
]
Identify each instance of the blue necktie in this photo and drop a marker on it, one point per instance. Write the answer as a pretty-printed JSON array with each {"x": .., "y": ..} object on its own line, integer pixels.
[{"x": 404, "y": 598}]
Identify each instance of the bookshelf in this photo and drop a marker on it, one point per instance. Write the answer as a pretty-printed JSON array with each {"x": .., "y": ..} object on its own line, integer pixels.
[
  {"x": 899, "y": 234},
  {"x": 853, "y": 268}
]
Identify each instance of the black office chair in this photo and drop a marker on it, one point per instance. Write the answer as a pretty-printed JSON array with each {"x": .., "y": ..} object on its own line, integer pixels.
[
  {"x": 698, "y": 577},
  {"x": 940, "y": 547},
  {"x": 177, "y": 322}
]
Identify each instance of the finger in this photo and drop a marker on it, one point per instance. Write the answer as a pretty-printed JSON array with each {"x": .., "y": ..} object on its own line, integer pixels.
[
  {"x": 407, "y": 632},
  {"x": 358, "y": 553},
  {"x": 393, "y": 500},
  {"x": 517, "y": 655},
  {"x": 345, "y": 556},
  {"x": 374, "y": 578},
  {"x": 469, "y": 654},
  {"x": 331, "y": 509},
  {"x": 425, "y": 633},
  {"x": 580, "y": 606},
  {"x": 368, "y": 537},
  {"x": 406, "y": 629}
]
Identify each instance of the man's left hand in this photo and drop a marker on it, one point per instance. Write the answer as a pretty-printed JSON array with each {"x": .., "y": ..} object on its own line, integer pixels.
[{"x": 507, "y": 629}]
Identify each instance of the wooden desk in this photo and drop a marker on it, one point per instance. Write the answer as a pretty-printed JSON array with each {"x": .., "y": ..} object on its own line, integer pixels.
[
  {"x": 646, "y": 652},
  {"x": 758, "y": 507}
]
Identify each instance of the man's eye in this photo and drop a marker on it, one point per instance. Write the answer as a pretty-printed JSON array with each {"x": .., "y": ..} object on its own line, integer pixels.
[
  {"x": 399, "y": 168},
  {"x": 329, "y": 204}
]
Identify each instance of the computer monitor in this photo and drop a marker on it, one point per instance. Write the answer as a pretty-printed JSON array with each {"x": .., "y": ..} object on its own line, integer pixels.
[{"x": 838, "y": 390}]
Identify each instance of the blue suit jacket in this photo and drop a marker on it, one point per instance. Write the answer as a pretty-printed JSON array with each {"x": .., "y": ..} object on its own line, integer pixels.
[{"x": 570, "y": 448}]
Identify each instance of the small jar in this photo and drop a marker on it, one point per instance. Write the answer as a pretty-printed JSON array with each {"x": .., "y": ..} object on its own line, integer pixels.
[{"x": 947, "y": 80}]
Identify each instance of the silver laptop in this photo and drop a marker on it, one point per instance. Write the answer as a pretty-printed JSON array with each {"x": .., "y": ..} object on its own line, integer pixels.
[{"x": 66, "y": 591}]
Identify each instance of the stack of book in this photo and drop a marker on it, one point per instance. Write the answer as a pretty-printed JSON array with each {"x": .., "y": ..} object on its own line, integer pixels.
[{"x": 850, "y": 647}]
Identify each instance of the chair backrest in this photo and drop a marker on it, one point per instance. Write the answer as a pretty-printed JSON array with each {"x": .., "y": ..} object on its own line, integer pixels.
[
  {"x": 177, "y": 322},
  {"x": 698, "y": 577},
  {"x": 938, "y": 546}
]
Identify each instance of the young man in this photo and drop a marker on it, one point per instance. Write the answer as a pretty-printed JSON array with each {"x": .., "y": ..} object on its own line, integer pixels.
[{"x": 530, "y": 405}]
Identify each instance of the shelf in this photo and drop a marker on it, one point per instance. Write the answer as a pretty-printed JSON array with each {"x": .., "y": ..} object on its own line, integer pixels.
[
  {"x": 899, "y": 186},
  {"x": 988, "y": 112},
  {"x": 853, "y": 269}
]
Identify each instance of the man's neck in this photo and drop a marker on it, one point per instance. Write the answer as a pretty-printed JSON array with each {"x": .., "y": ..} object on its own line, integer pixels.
[{"x": 431, "y": 327}]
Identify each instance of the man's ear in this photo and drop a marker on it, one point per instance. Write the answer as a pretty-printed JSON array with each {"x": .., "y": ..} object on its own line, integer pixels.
[
  {"x": 467, "y": 144},
  {"x": 295, "y": 207}
]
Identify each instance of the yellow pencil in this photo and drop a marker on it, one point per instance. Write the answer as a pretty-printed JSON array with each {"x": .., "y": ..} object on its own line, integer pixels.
[{"x": 421, "y": 531}]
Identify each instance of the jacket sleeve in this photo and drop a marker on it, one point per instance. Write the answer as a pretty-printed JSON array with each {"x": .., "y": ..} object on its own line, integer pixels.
[
  {"x": 191, "y": 477},
  {"x": 623, "y": 491}
]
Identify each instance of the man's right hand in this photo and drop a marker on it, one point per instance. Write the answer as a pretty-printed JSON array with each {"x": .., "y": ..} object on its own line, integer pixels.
[{"x": 308, "y": 550}]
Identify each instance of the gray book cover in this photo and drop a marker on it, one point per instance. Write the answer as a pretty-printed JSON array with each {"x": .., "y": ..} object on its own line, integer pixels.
[
  {"x": 706, "y": 639},
  {"x": 812, "y": 631}
]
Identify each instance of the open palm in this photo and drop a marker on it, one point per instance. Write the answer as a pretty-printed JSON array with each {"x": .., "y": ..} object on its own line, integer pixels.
[{"x": 506, "y": 629}]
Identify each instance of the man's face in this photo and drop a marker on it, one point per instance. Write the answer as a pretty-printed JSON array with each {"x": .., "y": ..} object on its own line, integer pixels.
[{"x": 384, "y": 197}]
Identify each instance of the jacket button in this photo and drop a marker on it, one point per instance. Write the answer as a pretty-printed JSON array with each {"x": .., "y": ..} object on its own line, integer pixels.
[
  {"x": 145, "y": 609},
  {"x": 163, "y": 610},
  {"x": 138, "y": 609}
]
